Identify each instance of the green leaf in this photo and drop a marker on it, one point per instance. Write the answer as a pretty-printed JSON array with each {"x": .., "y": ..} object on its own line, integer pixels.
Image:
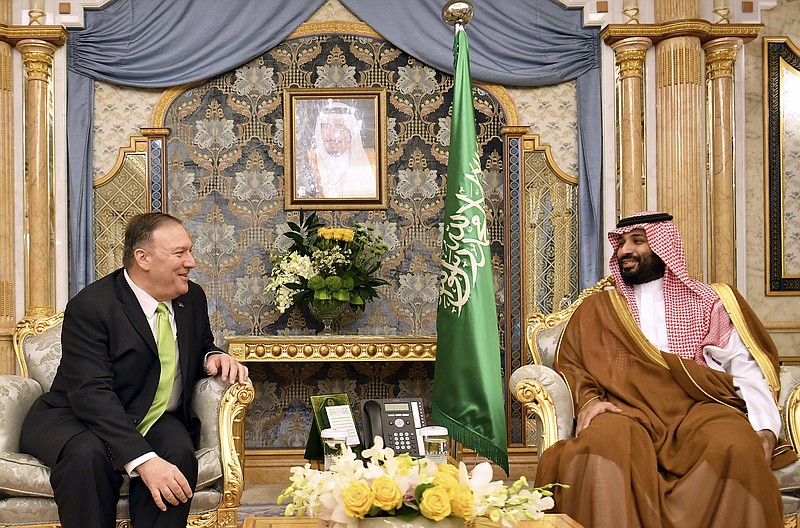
[
  {"x": 419, "y": 490},
  {"x": 342, "y": 295},
  {"x": 323, "y": 294}
]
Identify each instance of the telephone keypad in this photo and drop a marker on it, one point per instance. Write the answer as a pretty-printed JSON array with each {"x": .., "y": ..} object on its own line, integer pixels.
[{"x": 402, "y": 441}]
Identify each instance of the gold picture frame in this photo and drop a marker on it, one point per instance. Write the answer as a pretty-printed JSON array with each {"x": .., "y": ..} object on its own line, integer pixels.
[
  {"x": 782, "y": 165},
  {"x": 335, "y": 148}
]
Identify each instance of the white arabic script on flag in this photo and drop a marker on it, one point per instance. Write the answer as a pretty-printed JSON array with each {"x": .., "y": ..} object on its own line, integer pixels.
[{"x": 465, "y": 236}]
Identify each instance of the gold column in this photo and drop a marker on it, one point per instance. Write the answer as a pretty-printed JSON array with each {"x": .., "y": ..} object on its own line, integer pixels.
[
  {"x": 37, "y": 55},
  {"x": 680, "y": 141},
  {"x": 721, "y": 220},
  {"x": 37, "y": 44},
  {"x": 670, "y": 10},
  {"x": 630, "y": 54},
  {"x": 7, "y": 317}
]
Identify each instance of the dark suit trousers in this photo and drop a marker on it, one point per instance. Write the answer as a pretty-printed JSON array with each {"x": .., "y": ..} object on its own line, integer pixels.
[{"x": 86, "y": 486}]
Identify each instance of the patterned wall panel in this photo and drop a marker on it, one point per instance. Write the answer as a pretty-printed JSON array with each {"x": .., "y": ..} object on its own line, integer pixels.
[{"x": 225, "y": 180}]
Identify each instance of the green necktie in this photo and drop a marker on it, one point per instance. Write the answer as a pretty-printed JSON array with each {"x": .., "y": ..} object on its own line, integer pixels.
[{"x": 166, "y": 356}]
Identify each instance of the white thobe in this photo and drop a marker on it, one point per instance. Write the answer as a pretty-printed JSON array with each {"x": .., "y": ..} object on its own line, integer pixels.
[{"x": 734, "y": 358}]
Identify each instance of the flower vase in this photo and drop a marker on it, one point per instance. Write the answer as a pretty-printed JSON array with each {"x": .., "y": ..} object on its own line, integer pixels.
[{"x": 328, "y": 313}]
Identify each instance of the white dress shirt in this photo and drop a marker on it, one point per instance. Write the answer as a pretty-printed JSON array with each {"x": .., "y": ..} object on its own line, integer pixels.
[{"x": 734, "y": 359}]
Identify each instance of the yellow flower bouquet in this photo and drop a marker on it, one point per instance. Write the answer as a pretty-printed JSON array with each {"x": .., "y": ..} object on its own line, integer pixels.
[{"x": 385, "y": 485}]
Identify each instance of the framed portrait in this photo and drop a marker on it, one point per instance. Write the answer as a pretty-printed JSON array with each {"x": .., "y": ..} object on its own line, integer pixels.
[
  {"x": 335, "y": 148},
  {"x": 782, "y": 164}
]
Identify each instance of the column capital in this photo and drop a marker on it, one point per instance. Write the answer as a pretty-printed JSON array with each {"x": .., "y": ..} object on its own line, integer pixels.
[
  {"x": 630, "y": 54},
  {"x": 37, "y": 55},
  {"x": 721, "y": 55}
]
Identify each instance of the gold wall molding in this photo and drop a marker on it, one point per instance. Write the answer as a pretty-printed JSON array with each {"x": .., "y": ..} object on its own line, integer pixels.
[
  {"x": 7, "y": 224},
  {"x": 166, "y": 99},
  {"x": 5, "y": 73},
  {"x": 782, "y": 326},
  {"x": 665, "y": 10},
  {"x": 56, "y": 35},
  {"x": 548, "y": 228},
  {"x": 678, "y": 64},
  {"x": 126, "y": 190},
  {"x": 701, "y": 29},
  {"x": 332, "y": 348},
  {"x": 630, "y": 10},
  {"x": 322, "y": 28}
]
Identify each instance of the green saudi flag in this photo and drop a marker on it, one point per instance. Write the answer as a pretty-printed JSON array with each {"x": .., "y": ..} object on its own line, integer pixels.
[{"x": 468, "y": 395}]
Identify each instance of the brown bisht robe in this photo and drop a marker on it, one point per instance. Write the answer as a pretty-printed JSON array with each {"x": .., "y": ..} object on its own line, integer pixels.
[{"x": 681, "y": 454}]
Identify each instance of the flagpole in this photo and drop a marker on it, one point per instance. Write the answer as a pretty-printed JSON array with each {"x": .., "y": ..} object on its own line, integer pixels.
[{"x": 468, "y": 388}]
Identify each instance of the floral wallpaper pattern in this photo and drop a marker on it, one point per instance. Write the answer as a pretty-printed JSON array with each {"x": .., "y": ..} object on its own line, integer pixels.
[{"x": 225, "y": 180}]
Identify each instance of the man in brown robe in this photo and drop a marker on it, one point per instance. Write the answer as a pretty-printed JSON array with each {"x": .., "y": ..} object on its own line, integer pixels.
[{"x": 674, "y": 384}]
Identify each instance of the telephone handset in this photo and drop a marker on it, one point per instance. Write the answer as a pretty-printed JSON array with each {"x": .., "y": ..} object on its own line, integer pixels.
[{"x": 396, "y": 421}]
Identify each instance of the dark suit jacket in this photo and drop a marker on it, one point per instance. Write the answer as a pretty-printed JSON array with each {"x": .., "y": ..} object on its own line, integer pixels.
[{"x": 109, "y": 371}]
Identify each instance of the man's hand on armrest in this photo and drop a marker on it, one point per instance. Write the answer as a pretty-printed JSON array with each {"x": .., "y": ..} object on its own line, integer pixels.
[
  {"x": 227, "y": 367},
  {"x": 165, "y": 482},
  {"x": 768, "y": 441}
]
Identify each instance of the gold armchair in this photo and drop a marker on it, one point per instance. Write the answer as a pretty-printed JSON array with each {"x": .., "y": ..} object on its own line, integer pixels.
[
  {"x": 26, "y": 498},
  {"x": 548, "y": 407}
]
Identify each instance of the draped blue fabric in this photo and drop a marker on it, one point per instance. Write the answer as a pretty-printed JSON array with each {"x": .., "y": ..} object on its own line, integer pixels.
[{"x": 152, "y": 43}]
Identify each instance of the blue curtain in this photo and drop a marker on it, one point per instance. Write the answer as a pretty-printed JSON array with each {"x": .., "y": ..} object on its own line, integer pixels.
[{"x": 152, "y": 43}]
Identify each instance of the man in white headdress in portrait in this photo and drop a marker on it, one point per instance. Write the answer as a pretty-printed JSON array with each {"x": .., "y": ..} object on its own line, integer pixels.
[{"x": 340, "y": 165}]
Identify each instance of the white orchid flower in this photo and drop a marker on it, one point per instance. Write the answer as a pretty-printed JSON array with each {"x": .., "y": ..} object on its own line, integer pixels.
[{"x": 377, "y": 453}]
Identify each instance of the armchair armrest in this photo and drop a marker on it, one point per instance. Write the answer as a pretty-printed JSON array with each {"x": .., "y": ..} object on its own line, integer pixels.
[
  {"x": 18, "y": 394},
  {"x": 789, "y": 404},
  {"x": 221, "y": 408},
  {"x": 542, "y": 392}
]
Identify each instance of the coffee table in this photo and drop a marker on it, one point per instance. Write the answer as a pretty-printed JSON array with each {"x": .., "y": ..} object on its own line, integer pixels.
[{"x": 553, "y": 520}]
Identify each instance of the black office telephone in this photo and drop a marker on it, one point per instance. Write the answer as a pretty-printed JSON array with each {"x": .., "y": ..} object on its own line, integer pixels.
[{"x": 397, "y": 421}]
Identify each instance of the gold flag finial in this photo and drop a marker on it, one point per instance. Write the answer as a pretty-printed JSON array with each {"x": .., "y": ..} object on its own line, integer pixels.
[{"x": 457, "y": 12}]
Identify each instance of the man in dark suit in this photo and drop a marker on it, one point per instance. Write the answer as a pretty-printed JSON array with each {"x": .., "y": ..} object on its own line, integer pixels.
[{"x": 110, "y": 408}]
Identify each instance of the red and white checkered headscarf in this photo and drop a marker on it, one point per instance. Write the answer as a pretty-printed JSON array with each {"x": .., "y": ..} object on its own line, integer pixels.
[{"x": 694, "y": 315}]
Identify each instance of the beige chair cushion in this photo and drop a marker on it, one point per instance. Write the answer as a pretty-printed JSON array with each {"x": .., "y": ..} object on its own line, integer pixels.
[
  {"x": 17, "y": 394},
  {"x": 43, "y": 354},
  {"x": 547, "y": 342}
]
